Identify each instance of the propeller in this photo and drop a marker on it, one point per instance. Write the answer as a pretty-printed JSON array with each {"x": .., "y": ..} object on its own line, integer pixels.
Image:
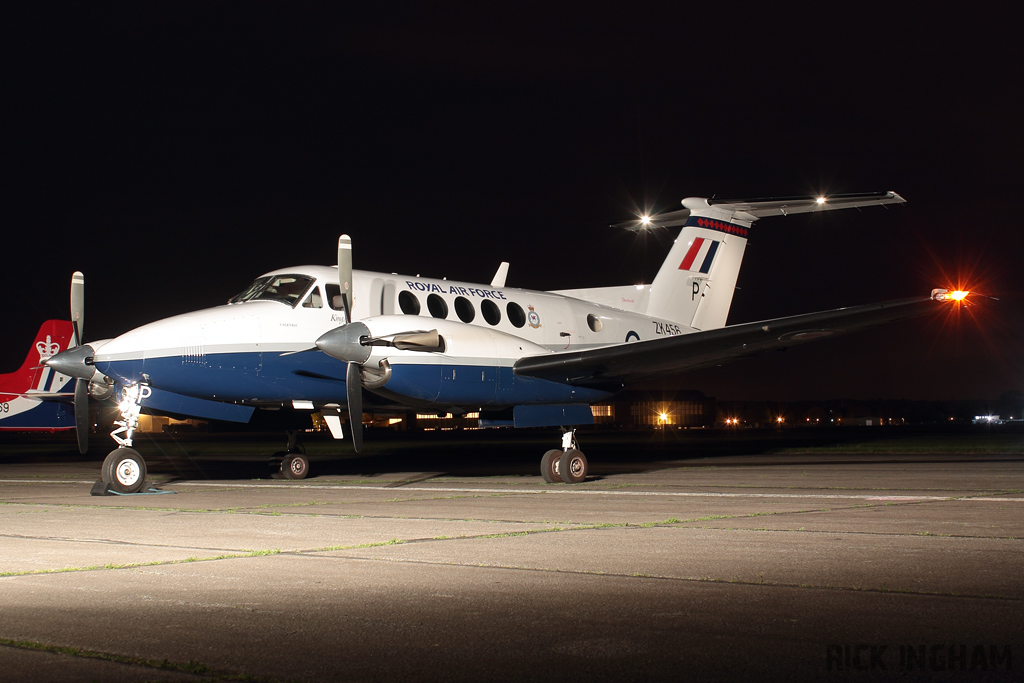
[
  {"x": 351, "y": 342},
  {"x": 353, "y": 383},
  {"x": 76, "y": 361}
]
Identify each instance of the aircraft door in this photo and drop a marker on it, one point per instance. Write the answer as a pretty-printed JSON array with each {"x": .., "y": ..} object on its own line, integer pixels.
[
  {"x": 377, "y": 296},
  {"x": 387, "y": 298}
]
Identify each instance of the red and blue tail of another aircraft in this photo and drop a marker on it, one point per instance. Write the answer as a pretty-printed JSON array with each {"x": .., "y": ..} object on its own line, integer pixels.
[{"x": 35, "y": 397}]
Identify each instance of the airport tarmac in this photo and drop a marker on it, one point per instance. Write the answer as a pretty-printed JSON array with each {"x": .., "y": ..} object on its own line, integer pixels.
[{"x": 852, "y": 567}]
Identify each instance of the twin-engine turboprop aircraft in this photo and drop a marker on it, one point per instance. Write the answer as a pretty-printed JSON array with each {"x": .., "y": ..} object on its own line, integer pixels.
[{"x": 320, "y": 338}]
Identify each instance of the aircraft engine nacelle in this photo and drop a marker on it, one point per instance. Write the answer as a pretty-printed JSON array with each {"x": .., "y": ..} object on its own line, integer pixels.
[{"x": 469, "y": 366}]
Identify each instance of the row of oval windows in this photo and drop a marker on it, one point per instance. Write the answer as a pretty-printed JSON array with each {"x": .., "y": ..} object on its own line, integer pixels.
[{"x": 438, "y": 308}]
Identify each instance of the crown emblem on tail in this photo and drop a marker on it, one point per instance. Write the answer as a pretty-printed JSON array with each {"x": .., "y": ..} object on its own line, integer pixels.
[{"x": 47, "y": 349}]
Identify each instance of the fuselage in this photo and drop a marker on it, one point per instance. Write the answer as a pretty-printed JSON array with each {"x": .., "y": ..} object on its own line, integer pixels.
[{"x": 259, "y": 349}]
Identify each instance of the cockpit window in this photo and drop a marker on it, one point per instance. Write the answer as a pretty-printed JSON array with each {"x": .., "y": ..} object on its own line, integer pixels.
[
  {"x": 313, "y": 300},
  {"x": 288, "y": 289},
  {"x": 250, "y": 291}
]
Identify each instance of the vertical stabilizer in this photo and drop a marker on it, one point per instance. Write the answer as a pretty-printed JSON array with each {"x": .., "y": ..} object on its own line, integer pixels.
[
  {"x": 31, "y": 396},
  {"x": 696, "y": 282}
]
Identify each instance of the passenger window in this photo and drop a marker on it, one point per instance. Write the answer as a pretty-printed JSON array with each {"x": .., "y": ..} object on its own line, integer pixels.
[
  {"x": 409, "y": 304},
  {"x": 516, "y": 315},
  {"x": 492, "y": 314},
  {"x": 313, "y": 300},
  {"x": 594, "y": 323},
  {"x": 464, "y": 309},
  {"x": 437, "y": 306}
]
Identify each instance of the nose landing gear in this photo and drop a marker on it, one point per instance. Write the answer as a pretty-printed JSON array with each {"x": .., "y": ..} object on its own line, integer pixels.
[{"x": 124, "y": 469}]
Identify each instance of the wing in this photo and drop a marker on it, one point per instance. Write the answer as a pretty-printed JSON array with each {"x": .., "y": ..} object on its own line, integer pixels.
[{"x": 624, "y": 364}]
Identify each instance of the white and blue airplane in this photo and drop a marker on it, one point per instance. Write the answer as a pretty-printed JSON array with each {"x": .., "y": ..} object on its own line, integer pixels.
[{"x": 320, "y": 337}]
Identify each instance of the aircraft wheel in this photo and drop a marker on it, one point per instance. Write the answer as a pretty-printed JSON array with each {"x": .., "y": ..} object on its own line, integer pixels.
[
  {"x": 124, "y": 470},
  {"x": 572, "y": 467},
  {"x": 295, "y": 466},
  {"x": 549, "y": 466},
  {"x": 274, "y": 463}
]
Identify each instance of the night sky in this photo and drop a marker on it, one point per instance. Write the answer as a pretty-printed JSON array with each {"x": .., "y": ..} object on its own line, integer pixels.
[{"x": 173, "y": 152}]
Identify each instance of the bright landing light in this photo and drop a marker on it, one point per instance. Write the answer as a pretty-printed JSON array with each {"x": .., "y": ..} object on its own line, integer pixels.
[
  {"x": 645, "y": 220},
  {"x": 958, "y": 295},
  {"x": 820, "y": 200}
]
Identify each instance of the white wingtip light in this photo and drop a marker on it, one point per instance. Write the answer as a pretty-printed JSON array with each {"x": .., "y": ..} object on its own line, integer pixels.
[{"x": 820, "y": 200}]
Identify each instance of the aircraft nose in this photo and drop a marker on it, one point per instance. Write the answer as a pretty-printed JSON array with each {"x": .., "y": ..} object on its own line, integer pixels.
[{"x": 76, "y": 362}]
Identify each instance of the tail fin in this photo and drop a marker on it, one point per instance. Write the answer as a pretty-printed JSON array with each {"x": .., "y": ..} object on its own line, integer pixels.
[
  {"x": 35, "y": 396},
  {"x": 696, "y": 282}
]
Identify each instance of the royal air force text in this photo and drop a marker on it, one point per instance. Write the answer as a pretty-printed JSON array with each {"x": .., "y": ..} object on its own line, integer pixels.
[{"x": 454, "y": 289}]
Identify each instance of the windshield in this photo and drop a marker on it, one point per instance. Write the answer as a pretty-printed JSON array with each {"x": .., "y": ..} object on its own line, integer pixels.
[
  {"x": 288, "y": 289},
  {"x": 250, "y": 291}
]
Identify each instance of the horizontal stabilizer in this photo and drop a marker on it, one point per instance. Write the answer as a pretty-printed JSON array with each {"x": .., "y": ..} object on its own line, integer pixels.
[{"x": 752, "y": 209}]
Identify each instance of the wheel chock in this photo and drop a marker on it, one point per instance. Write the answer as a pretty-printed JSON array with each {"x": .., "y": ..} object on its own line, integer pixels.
[{"x": 102, "y": 488}]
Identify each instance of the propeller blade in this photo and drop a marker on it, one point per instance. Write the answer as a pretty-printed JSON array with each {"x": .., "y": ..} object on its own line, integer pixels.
[
  {"x": 418, "y": 341},
  {"x": 345, "y": 274},
  {"x": 354, "y": 390},
  {"x": 82, "y": 414},
  {"x": 77, "y": 306}
]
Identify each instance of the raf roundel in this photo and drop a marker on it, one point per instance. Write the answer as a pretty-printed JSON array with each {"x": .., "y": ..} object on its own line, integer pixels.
[{"x": 533, "y": 318}]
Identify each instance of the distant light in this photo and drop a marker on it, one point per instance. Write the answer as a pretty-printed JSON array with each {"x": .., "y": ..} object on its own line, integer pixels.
[
  {"x": 820, "y": 200},
  {"x": 958, "y": 295},
  {"x": 662, "y": 416},
  {"x": 645, "y": 220}
]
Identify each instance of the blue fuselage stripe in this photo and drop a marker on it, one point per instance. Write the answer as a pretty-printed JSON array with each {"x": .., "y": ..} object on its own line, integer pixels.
[{"x": 315, "y": 376}]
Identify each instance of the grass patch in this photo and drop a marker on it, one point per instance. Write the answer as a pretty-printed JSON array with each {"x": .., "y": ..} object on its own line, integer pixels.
[
  {"x": 191, "y": 666},
  {"x": 137, "y": 565}
]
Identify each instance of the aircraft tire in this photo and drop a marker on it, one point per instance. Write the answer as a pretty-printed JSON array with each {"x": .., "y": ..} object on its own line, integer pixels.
[
  {"x": 295, "y": 466},
  {"x": 124, "y": 470},
  {"x": 573, "y": 466},
  {"x": 274, "y": 463},
  {"x": 549, "y": 466},
  {"x": 108, "y": 466}
]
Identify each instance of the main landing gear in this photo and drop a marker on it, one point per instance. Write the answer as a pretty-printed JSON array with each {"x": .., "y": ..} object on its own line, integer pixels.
[
  {"x": 291, "y": 463},
  {"x": 568, "y": 464}
]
